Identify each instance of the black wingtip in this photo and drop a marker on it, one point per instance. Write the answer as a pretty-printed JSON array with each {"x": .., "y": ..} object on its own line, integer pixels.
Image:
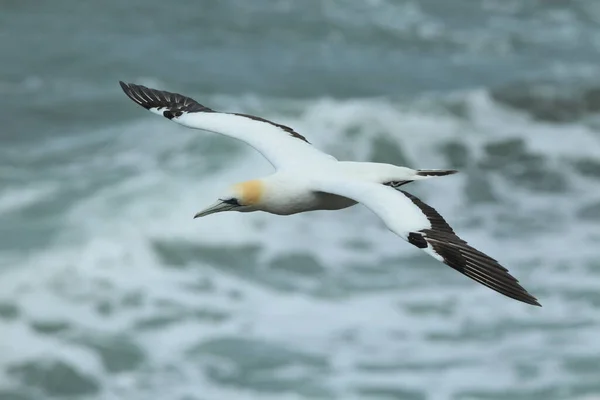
[
  {"x": 457, "y": 254},
  {"x": 125, "y": 87},
  {"x": 477, "y": 265},
  {"x": 136, "y": 93},
  {"x": 534, "y": 300},
  {"x": 173, "y": 103},
  {"x": 528, "y": 299}
]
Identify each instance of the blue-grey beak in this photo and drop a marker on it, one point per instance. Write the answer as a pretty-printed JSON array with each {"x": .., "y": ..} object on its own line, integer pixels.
[{"x": 215, "y": 208}]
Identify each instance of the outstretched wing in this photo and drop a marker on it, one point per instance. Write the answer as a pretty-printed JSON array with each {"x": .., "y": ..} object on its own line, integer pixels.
[
  {"x": 281, "y": 145},
  {"x": 423, "y": 227}
]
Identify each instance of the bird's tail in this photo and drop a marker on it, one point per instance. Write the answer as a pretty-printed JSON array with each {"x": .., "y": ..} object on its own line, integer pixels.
[
  {"x": 430, "y": 173},
  {"x": 417, "y": 175}
]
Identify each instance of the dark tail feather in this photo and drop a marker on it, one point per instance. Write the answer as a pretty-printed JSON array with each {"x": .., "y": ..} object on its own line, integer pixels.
[
  {"x": 422, "y": 174},
  {"x": 436, "y": 172}
]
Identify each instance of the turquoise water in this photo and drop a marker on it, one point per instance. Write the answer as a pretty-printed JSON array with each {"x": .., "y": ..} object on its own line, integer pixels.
[{"x": 110, "y": 290}]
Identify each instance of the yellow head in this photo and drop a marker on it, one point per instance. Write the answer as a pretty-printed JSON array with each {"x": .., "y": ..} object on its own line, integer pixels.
[
  {"x": 244, "y": 197},
  {"x": 249, "y": 193}
]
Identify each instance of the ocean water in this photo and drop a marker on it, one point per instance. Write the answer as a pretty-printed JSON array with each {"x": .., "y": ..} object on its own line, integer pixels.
[{"x": 110, "y": 290}]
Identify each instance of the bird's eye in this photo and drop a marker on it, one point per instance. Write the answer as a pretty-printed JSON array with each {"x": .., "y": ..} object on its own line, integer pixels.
[{"x": 233, "y": 201}]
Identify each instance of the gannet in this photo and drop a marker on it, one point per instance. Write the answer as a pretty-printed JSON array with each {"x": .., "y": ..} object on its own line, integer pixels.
[{"x": 306, "y": 179}]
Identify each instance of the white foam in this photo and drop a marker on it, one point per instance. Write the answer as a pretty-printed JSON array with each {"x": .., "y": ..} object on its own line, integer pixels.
[
  {"x": 15, "y": 199},
  {"x": 105, "y": 255}
]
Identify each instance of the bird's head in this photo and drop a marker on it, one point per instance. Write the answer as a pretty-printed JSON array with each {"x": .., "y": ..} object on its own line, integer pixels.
[{"x": 244, "y": 197}]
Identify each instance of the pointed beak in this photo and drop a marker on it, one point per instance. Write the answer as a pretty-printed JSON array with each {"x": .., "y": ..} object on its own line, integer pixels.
[{"x": 215, "y": 208}]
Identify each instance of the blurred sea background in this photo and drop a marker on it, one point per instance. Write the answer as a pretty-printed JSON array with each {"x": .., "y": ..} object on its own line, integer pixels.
[{"x": 110, "y": 290}]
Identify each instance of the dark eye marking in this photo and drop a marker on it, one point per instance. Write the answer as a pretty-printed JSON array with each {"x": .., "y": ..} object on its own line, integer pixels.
[{"x": 232, "y": 201}]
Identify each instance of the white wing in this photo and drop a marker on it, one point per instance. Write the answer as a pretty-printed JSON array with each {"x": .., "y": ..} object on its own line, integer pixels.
[
  {"x": 280, "y": 144},
  {"x": 423, "y": 227}
]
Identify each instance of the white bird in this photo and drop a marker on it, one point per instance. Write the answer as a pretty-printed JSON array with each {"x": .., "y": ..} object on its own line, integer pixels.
[{"x": 307, "y": 179}]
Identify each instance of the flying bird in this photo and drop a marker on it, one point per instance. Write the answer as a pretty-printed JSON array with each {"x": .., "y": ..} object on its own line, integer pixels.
[{"x": 306, "y": 179}]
